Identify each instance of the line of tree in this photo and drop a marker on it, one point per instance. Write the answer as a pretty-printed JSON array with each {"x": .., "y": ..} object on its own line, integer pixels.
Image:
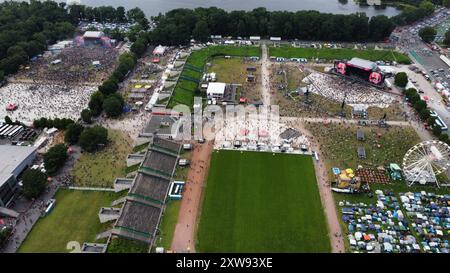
[
  {"x": 176, "y": 27},
  {"x": 58, "y": 123},
  {"x": 107, "y": 98}
]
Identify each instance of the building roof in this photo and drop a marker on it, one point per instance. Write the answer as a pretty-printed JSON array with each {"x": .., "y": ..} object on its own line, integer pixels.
[
  {"x": 11, "y": 157},
  {"x": 361, "y": 63},
  {"x": 216, "y": 88},
  {"x": 159, "y": 50},
  {"x": 93, "y": 34}
]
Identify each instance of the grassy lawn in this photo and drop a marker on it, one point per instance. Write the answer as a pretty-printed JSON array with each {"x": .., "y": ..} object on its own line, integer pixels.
[
  {"x": 101, "y": 168},
  {"x": 74, "y": 218},
  {"x": 168, "y": 224},
  {"x": 185, "y": 90},
  {"x": 122, "y": 245},
  {"x": 383, "y": 146},
  {"x": 340, "y": 53},
  {"x": 260, "y": 202}
]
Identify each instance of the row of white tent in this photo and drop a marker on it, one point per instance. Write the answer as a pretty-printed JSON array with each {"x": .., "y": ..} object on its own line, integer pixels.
[{"x": 7, "y": 130}]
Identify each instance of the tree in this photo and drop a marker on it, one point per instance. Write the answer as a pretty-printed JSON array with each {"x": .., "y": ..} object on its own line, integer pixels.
[
  {"x": 86, "y": 116},
  {"x": 73, "y": 133},
  {"x": 443, "y": 138},
  {"x": 8, "y": 120},
  {"x": 446, "y": 3},
  {"x": 447, "y": 38},
  {"x": 138, "y": 47},
  {"x": 424, "y": 114},
  {"x": 96, "y": 103},
  {"x": 401, "y": 79},
  {"x": 112, "y": 107},
  {"x": 427, "y": 34},
  {"x": 34, "y": 183},
  {"x": 437, "y": 130},
  {"x": 201, "y": 31},
  {"x": 55, "y": 158},
  {"x": 91, "y": 139},
  {"x": 108, "y": 87}
]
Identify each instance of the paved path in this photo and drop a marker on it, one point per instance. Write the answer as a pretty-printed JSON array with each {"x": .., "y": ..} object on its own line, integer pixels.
[
  {"x": 184, "y": 236},
  {"x": 265, "y": 75}
]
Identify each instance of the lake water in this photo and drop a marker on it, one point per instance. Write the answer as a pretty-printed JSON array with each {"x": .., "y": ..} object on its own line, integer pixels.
[{"x": 153, "y": 7}]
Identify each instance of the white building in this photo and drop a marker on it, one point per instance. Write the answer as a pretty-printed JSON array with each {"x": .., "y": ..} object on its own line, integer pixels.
[
  {"x": 13, "y": 161},
  {"x": 216, "y": 90},
  {"x": 93, "y": 35},
  {"x": 159, "y": 50}
]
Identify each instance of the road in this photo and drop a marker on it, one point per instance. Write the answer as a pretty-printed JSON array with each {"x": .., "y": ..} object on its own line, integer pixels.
[{"x": 427, "y": 60}]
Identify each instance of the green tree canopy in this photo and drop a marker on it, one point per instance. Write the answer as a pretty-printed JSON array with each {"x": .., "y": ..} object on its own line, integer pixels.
[
  {"x": 34, "y": 183},
  {"x": 401, "y": 79},
  {"x": 55, "y": 158},
  {"x": 91, "y": 139},
  {"x": 427, "y": 34},
  {"x": 96, "y": 103},
  {"x": 72, "y": 133},
  {"x": 86, "y": 116}
]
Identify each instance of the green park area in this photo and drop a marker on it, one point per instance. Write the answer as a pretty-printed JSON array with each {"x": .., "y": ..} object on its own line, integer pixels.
[
  {"x": 382, "y": 146},
  {"x": 74, "y": 219},
  {"x": 101, "y": 168},
  {"x": 338, "y": 54},
  {"x": 195, "y": 66},
  {"x": 262, "y": 202}
]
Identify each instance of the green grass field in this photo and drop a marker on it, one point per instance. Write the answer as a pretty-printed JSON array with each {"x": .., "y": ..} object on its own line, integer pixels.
[
  {"x": 260, "y": 202},
  {"x": 185, "y": 90},
  {"x": 340, "y": 53},
  {"x": 101, "y": 168},
  {"x": 74, "y": 218},
  {"x": 168, "y": 224}
]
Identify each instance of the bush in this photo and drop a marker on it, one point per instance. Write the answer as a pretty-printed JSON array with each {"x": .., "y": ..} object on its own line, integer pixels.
[
  {"x": 86, "y": 116},
  {"x": 73, "y": 133},
  {"x": 34, "y": 183},
  {"x": 55, "y": 158},
  {"x": 58, "y": 123},
  {"x": 401, "y": 79},
  {"x": 91, "y": 139}
]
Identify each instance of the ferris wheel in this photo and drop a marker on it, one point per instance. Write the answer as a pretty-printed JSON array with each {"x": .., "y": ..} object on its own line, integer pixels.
[{"x": 424, "y": 161}]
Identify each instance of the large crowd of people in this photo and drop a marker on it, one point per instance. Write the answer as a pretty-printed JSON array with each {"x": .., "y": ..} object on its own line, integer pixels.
[
  {"x": 44, "y": 100},
  {"x": 337, "y": 89},
  {"x": 75, "y": 66}
]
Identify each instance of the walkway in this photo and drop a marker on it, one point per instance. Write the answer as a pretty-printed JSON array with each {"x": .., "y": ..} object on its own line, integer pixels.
[
  {"x": 265, "y": 76},
  {"x": 184, "y": 236}
]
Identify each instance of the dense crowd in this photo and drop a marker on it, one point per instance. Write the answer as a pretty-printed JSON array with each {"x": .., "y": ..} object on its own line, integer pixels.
[
  {"x": 44, "y": 100},
  {"x": 337, "y": 89},
  {"x": 76, "y": 66}
]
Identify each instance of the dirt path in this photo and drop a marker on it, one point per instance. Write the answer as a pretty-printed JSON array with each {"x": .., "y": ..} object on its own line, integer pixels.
[
  {"x": 184, "y": 236},
  {"x": 326, "y": 196},
  {"x": 265, "y": 76}
]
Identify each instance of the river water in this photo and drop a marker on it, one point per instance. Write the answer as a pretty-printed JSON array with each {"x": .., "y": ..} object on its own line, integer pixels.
[{"x": 153, "y": 7}]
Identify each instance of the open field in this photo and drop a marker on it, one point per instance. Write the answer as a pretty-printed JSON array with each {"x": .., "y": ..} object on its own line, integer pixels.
[
  {"x": 234, "y": 71},
  {"x": 101, "y": 168},
  {"x": 262, "y": 202},
  {"x": 168, "y": 224},
  {"x": 74, "y": 218},
  {"x": 340, "y": 53},
  {"x": 185, "y": 89},
  {"x": 383, "y": 146}
]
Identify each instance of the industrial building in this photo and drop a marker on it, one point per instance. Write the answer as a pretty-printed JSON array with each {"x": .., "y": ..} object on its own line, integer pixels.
[{"x": 13, "y": 161}]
